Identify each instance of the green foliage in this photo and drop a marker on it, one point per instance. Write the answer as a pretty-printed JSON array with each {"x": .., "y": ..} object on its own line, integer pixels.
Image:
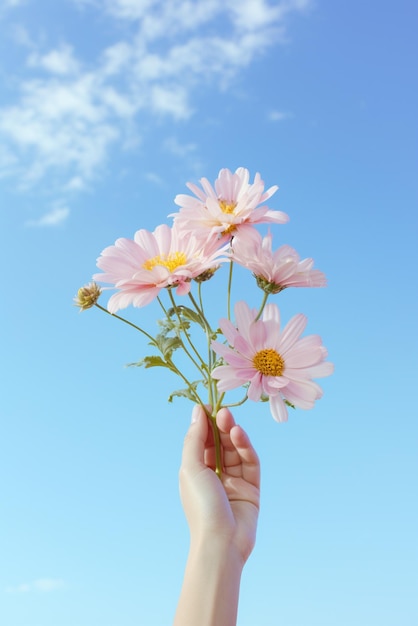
[
  {"x": 186, "y": 315},
  {"x": 167, "y": 345},
  {"x": 189, "y": 392},
  {"x": 153, "y": 361},
  {"x": 169, "y": 324}
]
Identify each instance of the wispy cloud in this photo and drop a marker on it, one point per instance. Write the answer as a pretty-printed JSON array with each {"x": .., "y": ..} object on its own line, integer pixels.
[
  {"x": 152, "y": 177},
  {"x": 60, "y": 61},
  {"x": 178, "y": 148},
  {"x": 41, "y": 585},
  {"x": 279, "y": 116},
  {"x": 10, "y": 4},
  {"x": 54, "y": 217},
  {"x": 70, "y": 112}
]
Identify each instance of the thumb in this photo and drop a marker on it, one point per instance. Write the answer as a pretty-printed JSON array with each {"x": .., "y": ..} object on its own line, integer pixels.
[{"x": 195, "y": 440}]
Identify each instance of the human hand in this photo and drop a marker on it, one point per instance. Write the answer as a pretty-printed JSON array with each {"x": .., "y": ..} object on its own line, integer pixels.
[{"x": 223, "y": 512}]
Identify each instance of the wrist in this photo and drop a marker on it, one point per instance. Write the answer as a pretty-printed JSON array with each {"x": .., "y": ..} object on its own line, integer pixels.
[
  {"x": 211, "y": 583},
  {"x": 217, "y": 549}
]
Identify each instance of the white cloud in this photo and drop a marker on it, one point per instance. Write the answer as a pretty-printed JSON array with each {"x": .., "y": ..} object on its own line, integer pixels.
[
  {"x": 48, "y": 584},
  {"x": 185, "y": 151},
  {"x": 129, "y": 9},
  {"x": 279, "y": 116},
  {"x": 255, "y": 14},
  {"x": 172, "y": 145},
  {"x": 171, "y": 99},
  {"x": 169, "y": 19},
  {"x": 56, "y": 216},
  {"x": 9, "y": 163},
  {"x": 70, "y": 112},
  {"x": 20, "y": 35},
  {"x": 116, "y": 58},
  {"x": 10, "y": 4},
  {"x": 59, "y": 61},
  {"x": 41, "y": 585},
  {"x": 155, "y": 178},
  {"x": 59, "y": 125},
  {"x": 75, "y": 184}
]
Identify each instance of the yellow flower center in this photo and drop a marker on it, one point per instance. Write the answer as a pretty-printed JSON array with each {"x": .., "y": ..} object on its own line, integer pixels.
[
  {"x": 170, "y": 261},
  {"x": 269, "y": 362},
  {"x": 228, "y": 231},
  {"x": 227, "y": 207}
]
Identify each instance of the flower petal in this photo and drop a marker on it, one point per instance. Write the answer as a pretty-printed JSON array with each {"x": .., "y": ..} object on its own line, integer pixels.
[
  {"x": 291, "y": 333},
  {"x": 278, "y": 408}
]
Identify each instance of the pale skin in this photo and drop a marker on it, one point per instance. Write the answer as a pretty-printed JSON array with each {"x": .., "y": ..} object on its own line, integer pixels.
[{"x": 222, "y": 517}]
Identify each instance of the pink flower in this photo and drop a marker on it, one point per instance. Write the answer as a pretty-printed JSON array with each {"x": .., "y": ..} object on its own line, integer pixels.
[
  {"x": 277, "y": 270},
  {"x": 140, "y": 268},
  {"x": 229, "y": 207},
  {"x": 277, "y": 364}
]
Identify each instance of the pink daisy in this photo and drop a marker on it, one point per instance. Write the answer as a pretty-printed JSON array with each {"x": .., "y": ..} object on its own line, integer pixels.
[
  {"x": 276, "y": 270},
  {"x": 230, "y": 206},
  {"x": 277, "y": 364},
  {"x": 140, "y": 268}
]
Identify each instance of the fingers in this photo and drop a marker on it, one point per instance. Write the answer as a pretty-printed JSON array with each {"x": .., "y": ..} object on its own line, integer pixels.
[
  {"x": 239, "y": 456},
  {"x": 225, "y": 420},
  {"x": 195, "y": 440},
  {"x": 249, "y": 459}
]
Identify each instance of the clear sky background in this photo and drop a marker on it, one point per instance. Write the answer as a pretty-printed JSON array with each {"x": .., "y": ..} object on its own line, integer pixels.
[{"x": 107, "y": 109}]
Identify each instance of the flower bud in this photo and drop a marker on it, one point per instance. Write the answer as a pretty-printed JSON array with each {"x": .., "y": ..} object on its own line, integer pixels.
[
  {"x": 267, "y": 286},
  {"x": 87, "y": 296},
  {"x": 206, "y": 275}
]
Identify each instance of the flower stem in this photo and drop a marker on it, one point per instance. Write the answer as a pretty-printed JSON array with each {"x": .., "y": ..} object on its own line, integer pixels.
[
  {"x": 217, "y": 441},
  {"x": 176, "y": 370},
  {"x": 263, "y": 304},
  {"x": 245, "y": 398},
  {"x": 199, "y": 291},
  {"x": 199, "y": 311},
  {"x": 122, "y": 319},
  {"x": 162, "y": 306},
  {"x": 202, "y": 366},
  {"x": 231, "y": 267},
  {"x": 209, "y": 334}
]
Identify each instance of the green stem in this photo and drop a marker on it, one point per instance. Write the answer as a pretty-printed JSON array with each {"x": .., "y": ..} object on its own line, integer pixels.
[
  {"x": 175, "y": 369},
  {"x": 209, "y": 334},
  {"x": 199, "y": 291},
  {"x": 231, "y": 266},
  {"x": 199, "y": 310},
  {"x": 202, "y": 366},
  {"x": 217, "y": 441},
  {"x": 212, "y": 418},
  {"x": 215, "y": 430},
  {"x": 162, "y": 306},
  {"x": 263, "y": 304},
  {"x": 218, "y": 404},
  {"x": 122, "y": 319},
  {"x": 245, "y": 398}
]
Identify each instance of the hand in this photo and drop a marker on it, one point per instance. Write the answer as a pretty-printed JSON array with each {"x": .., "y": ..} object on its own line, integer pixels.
[{"x": 223, "y": 512}]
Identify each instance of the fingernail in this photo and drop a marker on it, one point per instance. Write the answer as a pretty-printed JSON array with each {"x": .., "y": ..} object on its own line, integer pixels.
[{"x": 195, "y": 412}]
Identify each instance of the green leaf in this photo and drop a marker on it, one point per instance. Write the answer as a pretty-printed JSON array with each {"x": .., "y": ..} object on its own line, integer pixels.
[
  {"x": 187, "y": 314},
  {"x": 167, "y": 345},
  {"x": 189, "y": 392},
  {"x": 151, "y": 361},
  {"x": 168, "y": 325}
]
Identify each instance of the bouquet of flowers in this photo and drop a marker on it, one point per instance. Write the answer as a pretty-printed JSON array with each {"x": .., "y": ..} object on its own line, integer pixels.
[{"x": 215, "y": 228}]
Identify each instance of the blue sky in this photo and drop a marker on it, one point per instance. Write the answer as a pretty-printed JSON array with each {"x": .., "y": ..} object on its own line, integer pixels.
[{"x": 107, "y": 109}]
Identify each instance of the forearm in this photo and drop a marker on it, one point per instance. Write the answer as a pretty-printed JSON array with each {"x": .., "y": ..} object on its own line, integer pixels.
[{"x": 209, "y": 596}]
